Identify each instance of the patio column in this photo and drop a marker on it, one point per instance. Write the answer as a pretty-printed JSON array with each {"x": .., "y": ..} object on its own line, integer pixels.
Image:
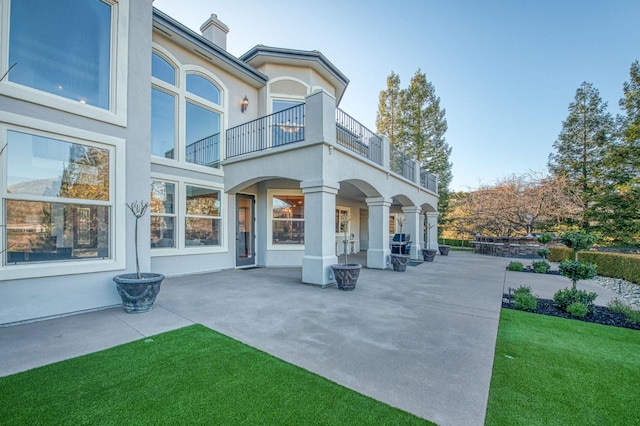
[
  {"x": 319, "y": 231},
  {"x": 378, "y": 254},
  {"x": 431, "y": 230},
  {"x": 421, "y": 231},
  {"x": 412, "y": 224}
]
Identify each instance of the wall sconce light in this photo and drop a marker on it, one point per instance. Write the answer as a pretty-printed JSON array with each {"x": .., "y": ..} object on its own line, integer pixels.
[{"x": 244, "y": 104}]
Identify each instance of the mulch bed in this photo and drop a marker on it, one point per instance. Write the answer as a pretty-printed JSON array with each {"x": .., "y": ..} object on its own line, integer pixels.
[{"x": 602, "y": 315}]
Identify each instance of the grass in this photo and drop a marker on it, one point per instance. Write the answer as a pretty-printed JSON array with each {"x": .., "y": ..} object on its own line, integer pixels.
[
  {"x": 553, "y": 371},
  {"x": 188, "y": 376}
]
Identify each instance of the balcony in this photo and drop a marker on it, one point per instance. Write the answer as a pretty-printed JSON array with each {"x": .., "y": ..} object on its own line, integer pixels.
[{"x": 291, "y": 126}]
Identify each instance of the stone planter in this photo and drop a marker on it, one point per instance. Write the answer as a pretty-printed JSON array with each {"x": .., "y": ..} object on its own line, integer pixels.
[
  {"x": 429, "y": 254},
  {"x": 347, "y": 275},
  {"x": 399, "y": 262},
  {"x": 138, "y": 295},
  {"x": 444, "y": 250}
]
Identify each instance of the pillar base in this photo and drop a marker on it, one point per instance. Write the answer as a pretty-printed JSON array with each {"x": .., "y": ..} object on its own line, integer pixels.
[
  {"x": 378, "y": 259},
  {"x": 316, "y": 270}
]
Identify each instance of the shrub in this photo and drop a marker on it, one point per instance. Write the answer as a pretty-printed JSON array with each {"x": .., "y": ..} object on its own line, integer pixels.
[
  {"x": 578, "y": 241},
  {"x": 617, "y": 305},
  {"x": 577, "y": 309},
  {"x": 544, "y": 253},
  {"x": 515, "y": 266},
  {"x": 564, "y": 298},
  {"x": 540, "y": 266},
  {"x": 559, "y": 253},
  {"x": 524, "y": 300},
  {"x": 577, "y": 271}
]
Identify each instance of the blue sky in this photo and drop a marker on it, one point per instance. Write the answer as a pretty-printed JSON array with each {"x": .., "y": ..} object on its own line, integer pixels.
[{"x": 505, "y": 70}]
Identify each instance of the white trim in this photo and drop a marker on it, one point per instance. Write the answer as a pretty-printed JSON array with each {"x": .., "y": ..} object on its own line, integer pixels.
[
  {"x": 280, "y": 247},
  {"x": 117, "y": 112},
  {"x": 180, "y": 208},
  {"x": 116, "y": 147}
]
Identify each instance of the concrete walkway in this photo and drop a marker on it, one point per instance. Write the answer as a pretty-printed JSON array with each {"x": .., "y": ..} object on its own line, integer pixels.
[{"x": 422, "y": 340}]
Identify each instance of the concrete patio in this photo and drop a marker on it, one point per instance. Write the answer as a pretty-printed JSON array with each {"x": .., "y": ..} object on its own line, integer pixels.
[{"x": 422, "y": 340}]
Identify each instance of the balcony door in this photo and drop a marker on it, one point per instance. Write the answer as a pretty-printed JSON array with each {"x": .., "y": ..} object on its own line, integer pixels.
[{"x": 245, "y": 230}]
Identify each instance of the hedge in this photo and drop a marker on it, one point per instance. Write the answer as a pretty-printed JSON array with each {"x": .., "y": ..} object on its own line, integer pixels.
[
  {"x": 614, "y": 265},
  {"x": 454, "y": 242}
]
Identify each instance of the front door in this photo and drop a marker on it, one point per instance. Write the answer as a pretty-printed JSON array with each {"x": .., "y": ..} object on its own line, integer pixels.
[{"x": 245, "y": 230}]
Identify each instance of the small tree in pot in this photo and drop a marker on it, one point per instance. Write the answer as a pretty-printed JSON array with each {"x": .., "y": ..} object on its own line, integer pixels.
[
  {"x": 346, "y": 274},
  {"x": 138, "y": 290}
]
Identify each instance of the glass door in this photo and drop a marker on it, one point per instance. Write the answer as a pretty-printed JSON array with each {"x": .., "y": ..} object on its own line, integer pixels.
[{"x": 245, "y": 230}]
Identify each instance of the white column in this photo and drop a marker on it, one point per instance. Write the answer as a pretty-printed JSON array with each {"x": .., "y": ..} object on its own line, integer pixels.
[
  {"x": 320, "y": 124},
  {"x": 412, "y": 226},
  {"x": 319, "y": 231},
  {"x": 432, "y": 230},
  {"x": 378, "y": 254}
]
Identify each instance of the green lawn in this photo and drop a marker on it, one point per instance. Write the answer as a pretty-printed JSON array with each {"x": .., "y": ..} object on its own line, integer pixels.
[
  {"x": 189, "y": 376},
  {"x": 552, "y": 371}
]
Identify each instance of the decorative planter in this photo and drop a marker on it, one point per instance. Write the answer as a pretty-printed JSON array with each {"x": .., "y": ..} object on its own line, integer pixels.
[
  {"x": 429, "y": 254},
  {"x": 444, "y": 250},
  {"x": 347, "y": 275},
  {"x": 399, "y": 262},
  {"x": 138, "y": 295}
]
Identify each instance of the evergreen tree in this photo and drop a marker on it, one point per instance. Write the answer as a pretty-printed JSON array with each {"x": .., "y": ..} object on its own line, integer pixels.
[
  {"x": 422, "y": 136},
  {"x": 586, "y": 134},
  {"x": 618, "y": 206},
  {"x": 388, "y": 116}
]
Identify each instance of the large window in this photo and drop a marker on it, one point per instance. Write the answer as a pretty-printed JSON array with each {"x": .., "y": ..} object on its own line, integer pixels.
[
  {"x": 287, "y": 226},
  {"x": 63, "y": 48},
  {"x": 57, "y": 202},
  {"x": 185, "y": 216},
  {"x": 194, "y": 97}
]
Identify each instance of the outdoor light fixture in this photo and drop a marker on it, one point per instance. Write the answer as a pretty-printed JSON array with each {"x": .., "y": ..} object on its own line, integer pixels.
[{"x": 244, "y": 104}]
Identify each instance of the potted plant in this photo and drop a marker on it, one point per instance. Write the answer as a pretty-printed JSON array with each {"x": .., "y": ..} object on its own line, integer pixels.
[
  {"x": 346, "y": 274},
  {"x": 428, "y": 254},
  {"x": 138, "y": 290}
]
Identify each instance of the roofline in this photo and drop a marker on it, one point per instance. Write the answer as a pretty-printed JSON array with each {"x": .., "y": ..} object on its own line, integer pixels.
[
  {"x": 307, "y": 55},
  {"x": 208, "y": 46}
]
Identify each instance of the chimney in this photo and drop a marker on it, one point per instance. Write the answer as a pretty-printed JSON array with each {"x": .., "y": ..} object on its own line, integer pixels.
[{"x": 215, "y": 31}]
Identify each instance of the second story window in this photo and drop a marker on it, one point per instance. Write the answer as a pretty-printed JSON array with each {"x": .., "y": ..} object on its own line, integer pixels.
[
  {"x": 186, "y": 115},
  {"x": 63, "y": 48}
]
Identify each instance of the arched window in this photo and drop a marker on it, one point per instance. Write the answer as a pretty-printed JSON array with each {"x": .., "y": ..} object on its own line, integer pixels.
[
  {"x": 202, "y": 87},
  {"x": 162, "y": 69}
]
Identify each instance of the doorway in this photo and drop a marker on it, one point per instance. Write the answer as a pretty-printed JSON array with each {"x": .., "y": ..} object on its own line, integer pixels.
[{"x": 245, "y": 230}]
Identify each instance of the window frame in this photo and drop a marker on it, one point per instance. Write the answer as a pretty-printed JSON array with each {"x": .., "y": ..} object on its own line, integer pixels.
[
  {"x": 173, "y": 215},
  {"x": 181, "y": 248},
  {"x": 270, "y": 195},
  {"x": 117, "y": 213},
  {"x": 182, "y": 97},
  {"x": 117, "y": 111}
]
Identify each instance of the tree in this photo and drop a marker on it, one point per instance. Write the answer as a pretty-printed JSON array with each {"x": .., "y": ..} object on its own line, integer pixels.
[
  {"x": 618, "y": 203},
  {"x": 423, "y": 125},
  {"x": 586, "y": 134},
  {"x": 574, "y": 269},
  {"x": 388, "y": 116}
]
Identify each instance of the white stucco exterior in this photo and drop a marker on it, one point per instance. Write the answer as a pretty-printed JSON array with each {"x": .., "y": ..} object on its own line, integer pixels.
[{"x": 322, "y": 172}]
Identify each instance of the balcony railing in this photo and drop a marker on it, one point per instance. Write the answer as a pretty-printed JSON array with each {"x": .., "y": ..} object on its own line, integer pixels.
[
  {"x": 281, "y": 128},
  {"x": 205, "y": 152},
  {"x": 357, "y": 138},
  {"x": 429, "y": 180},
  {"x": 402, "y": 164}
]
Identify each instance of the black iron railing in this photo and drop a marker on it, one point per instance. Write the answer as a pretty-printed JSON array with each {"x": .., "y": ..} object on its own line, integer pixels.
[
  {"x": 205, "y": 152},
  {"x": 281, "y": 128},
  {"x": 356, "y": 137}
]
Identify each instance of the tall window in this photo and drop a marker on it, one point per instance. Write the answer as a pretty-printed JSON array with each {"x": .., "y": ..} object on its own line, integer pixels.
[
  {"x": 63, "y": 48},
  {"x": 288, "y": 219},
  {"x": 200, "y": 99},
  {"x": 163, "y": 214},
  {"x": 58, "y": 203}
]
